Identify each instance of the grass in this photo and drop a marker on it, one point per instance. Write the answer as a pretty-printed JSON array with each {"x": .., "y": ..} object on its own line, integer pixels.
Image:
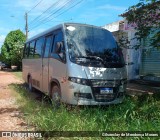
[
  {"x": 18, "y": 74},
  {"x": 138, "y": 113}
]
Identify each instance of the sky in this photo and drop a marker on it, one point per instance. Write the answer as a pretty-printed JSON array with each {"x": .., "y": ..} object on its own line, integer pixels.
[{"x": 44, "y": 14}]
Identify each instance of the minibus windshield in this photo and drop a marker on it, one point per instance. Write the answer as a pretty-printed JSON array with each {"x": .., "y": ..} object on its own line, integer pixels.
[{"x": 90, "y": 45}]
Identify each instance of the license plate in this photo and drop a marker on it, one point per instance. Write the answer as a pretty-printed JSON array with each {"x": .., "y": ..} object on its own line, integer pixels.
[{"x": 106, "y": 90}]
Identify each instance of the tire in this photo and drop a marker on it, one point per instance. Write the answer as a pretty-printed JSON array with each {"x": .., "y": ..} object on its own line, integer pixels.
[
  {"x": 30, "y": 88},
  {"x": 56, "y": 96}
]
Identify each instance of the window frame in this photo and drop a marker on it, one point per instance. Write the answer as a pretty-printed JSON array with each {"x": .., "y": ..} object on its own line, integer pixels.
[
  {"x": 42, "y": 44},
  {"x": 53, "y": 54},
  {"x": 31, "y": 56},
  {"x": 26, "y": 50}
]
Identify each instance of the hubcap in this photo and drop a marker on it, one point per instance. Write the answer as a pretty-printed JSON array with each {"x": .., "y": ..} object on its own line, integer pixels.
[{"x": 56, "y": 96}]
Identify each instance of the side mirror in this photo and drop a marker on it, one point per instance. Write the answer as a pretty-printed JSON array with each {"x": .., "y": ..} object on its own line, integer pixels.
[
  {"x": 59, "y": 50},
  {"x": 59, "y": 46}
]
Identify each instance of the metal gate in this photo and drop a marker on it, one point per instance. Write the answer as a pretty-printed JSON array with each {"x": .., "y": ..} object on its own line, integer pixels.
[{"x": 150, "y": 65}]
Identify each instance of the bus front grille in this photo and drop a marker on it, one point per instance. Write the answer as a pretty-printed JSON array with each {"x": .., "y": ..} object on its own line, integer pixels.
[{"x": 105, "y": 83}]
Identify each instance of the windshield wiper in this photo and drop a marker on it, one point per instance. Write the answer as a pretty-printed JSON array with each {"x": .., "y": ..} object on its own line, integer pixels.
[
  {"x": 91, "y": 57},
  {"x": 115, "y": 64}
]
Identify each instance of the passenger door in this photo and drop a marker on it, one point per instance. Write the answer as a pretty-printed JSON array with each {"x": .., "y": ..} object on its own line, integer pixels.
[
  {"x": 57, "y": 66},
  {"x": 38, "y": 62},
  {"x": 45, "y": 63}
]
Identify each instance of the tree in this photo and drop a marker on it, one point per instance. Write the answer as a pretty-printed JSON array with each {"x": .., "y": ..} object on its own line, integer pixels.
[
  {"x": 146, "y": 16},
  {"x": 12, "y": 48},
  {"x": 0, "y": 57}
]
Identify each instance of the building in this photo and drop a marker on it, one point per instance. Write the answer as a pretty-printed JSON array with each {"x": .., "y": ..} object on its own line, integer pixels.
[{"x": 143, "y": 62}]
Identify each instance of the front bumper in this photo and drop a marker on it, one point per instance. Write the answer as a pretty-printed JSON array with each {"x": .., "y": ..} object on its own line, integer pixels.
[
  {"x": 93, "y": 102},
  {"x": 92, "y": 95}
]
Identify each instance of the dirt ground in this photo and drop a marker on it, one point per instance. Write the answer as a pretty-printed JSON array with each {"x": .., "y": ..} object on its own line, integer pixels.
[{"x": 10, "y": 116}]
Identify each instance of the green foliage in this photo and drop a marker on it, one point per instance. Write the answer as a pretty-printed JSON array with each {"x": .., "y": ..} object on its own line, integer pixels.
[
  {"x": 146, "y": 15},
  {"x": 122, "y": 39},
  {"x": 12, "y": 48},
  {"x": 1, "y": 57}
]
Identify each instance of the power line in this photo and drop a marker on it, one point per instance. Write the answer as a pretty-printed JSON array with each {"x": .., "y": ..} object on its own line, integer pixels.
[
  {"x": 60, "y": 7},
  {"x": 54, "y": 4},
  {"x": 66, "y": 10},
  {"x": 53, "y": 12},
  {"x": 58, "y": 21},
  {"x": 35, "y": 6},
  {"x": 57, "y": 15}
]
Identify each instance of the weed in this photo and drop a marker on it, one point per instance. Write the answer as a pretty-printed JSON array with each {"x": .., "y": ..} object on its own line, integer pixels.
[{"x": 138, "y": 113}]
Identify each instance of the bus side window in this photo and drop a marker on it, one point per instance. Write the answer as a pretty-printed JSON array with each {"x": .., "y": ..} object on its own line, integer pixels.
[
  {"x": 31, "y": 49},
  {"x": 57, "y": 38},
  {"x": 58, "y": 44},
  {"x": 48, "y": 43},
  {"x": 38, "y": 48}
]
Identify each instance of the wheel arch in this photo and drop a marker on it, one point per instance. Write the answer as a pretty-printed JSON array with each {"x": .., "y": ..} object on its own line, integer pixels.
[
  {"x": 28, "y": 76},
  {"x": 53, "y": 82}
]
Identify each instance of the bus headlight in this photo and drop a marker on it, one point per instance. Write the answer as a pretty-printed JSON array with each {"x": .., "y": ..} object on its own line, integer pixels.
[{"x": 81, "y": 81}]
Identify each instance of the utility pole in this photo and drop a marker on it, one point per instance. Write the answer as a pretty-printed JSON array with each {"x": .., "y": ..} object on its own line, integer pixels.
[{"x": 26, "y": 27}]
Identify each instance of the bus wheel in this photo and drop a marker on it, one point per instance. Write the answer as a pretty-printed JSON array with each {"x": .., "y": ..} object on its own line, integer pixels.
[
  {"x": 56, "y": 95},
  {"x": 30, "y": 84}
]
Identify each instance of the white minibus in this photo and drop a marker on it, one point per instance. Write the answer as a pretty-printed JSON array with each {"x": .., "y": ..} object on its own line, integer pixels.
[{"x": 77, "y": 64}]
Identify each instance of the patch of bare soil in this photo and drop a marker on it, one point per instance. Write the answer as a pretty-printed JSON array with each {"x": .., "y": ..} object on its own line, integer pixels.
[{"x": 10, "y": 116}]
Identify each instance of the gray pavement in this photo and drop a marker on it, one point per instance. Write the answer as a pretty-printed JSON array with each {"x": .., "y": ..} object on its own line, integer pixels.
[{"x": 139, "y": 87}]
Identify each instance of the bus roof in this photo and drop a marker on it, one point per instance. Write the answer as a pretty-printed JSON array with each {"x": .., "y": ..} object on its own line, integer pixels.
[
  {"x": 58, "y": 27},
  {"x": 45, "y": 32}
]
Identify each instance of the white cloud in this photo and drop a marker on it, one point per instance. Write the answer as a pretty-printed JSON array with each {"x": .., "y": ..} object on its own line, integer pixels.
[
  {"x": 41, "y": 7},
  {"x": 2, "y": 38},
  {"x": 28, "y": 5},
  {"x": 35, "y": 32},
  {"x": 44, "y": 10},
  {"x": 95, "y": 15},
  {"x": 4, "y": 30},
  {"x": 91, "y": 16},
  {"x": 112, "y": 7},
  {"x": 24, "y": 4}
]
